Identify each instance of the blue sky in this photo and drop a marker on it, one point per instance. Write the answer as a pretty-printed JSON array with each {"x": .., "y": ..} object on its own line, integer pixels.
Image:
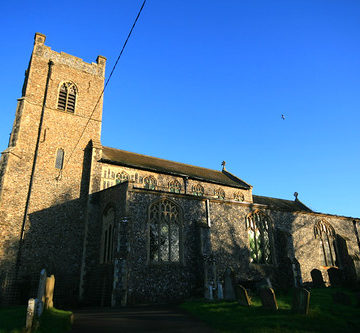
[{"x": 208, "y": 80}]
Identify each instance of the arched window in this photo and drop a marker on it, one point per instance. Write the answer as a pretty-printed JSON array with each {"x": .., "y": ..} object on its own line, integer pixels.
[
  {"x": 67, "y": 97},
  {"x": 150, "y": 183},
  {"x": 165, "y": 221},
  {"x": 219, "y": 193},
  {"x": 238, "y": 196},
  {"x": 197, "y": 190},
  {"x": 258, "y": 225},
  {"x": 107, "y": 247},
  {"x": 174, "y": 186},
  {"x": 121, "y": 177},
  {"x": 59, "y": 162},
  {"x": 326, "y": 233}
]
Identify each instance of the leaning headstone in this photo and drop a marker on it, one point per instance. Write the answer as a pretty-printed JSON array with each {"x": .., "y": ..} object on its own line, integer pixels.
[
  {"x": 229, "y": 293},
  {"x": 301, "y": 301},
  {"x": 220, "y": 293},
  {"x": 242, "y": 295},
  {"x": 41, "y": 293},
  {"x": 317, "y": 278},
  {"x": 49, "y": 292},
  {"x": 268, "y": 299},
  {"x": 30, "y": 314},
  {"x": 335, "y": 277}
]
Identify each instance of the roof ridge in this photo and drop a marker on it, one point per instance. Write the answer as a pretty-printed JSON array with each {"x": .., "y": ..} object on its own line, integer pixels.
[{"x": 163, "y": 159}]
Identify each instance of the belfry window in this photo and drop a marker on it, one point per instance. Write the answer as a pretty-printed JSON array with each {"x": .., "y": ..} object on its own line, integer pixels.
[
  {"x": 165, "y": 231},
  {"x": 107, "y": 246},
  {"x": 121, "y": 177},
  {"x": 150, "y": 183},
  {"x": 197, "y": 190},
  {"x": 174, "y": 186},
  {"x": 326, "y": 233},
  {"x": 59, "y": 162},
  {"x": 258, "y": 226},
  {"x": 67, "y": 97}
]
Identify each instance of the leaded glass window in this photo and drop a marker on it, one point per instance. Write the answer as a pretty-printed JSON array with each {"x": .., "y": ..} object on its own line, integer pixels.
[
  {"x": 174, "y": 186},
  {"x": 326, "y": 233},
  {"x": 150, "y": 183},
  {"x": 219, "y": 193},
  {"x": 238, "y": 196},
  {"x": 67, "y": 97},
  {"x": 121, "y": 177},
  {"x": 59, "y": 162},
  {"x": 165, "y": 231},
  {"x": 197, "y": 190},
  {"x": 258, "y": 227}
]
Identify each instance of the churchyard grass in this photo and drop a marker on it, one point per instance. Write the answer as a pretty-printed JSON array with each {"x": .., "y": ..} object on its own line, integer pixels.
[
  {"x": 324, "y": 315},
  {"x": 12, "y": 320}
]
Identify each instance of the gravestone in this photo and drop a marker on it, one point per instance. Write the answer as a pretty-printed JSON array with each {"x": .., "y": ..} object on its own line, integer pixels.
[
  {"x": 41, "y": 293},
  {"x": 242, "y": 295},
  {"x": 317, "y": 278},
  {"x": 49, "y": 292},
  {"x": 30, "y": 314},
  {"x": 341, "y": 298},
  {"x": 301, "y": 301},
  {"x": 335, "y": 276},
  {"x": 220, "y": 293},
  {"x": 268, "y": 299},
  {"x": 229, "y": 293}
]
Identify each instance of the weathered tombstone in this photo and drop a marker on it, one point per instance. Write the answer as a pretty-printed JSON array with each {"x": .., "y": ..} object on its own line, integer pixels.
[
  {"x": 317, "y": 278},
  {"x": 263, "y": 283},
  {"x": 335, "y": 277},
  {"x": 220, "y": 293},
  {"x": 297, "y": 272},
  {"x": 229, "y": 293},
  {"x": 301, "y": 301},
  {"x": 41, "y": 293},
  {"x": 341, "y": 298},
  {"x": 268, "y": 299},
  {"x": 242, "y": 295},
  {"x": 49, "y": 292},
  {"x": 30, "y": 314}
]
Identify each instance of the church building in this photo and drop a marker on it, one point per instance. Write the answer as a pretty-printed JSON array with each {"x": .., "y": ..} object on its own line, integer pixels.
[{"x": 119, "y": 228}]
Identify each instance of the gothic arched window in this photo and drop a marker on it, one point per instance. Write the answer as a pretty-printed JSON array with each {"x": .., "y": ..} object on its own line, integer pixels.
[
  {"x": 67, "y": 97},
  {"x": 326, "y": 233},
  {"x": 121, "y": 177},
  {"x": 238, "y": 196},
  {"x": 174, "y": 186},
  {"x": 150, "y": 183},
  {"x": 59, "y": 162},
  {"x": 197, "y": 190},
  {"x": 258, "y": 225},
  {"x": 165, "y": 231},
  {"x": 107, "y": 246}
]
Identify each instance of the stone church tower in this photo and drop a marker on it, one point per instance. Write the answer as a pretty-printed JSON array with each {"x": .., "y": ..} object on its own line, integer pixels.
[{"x": 44, "y": 173}]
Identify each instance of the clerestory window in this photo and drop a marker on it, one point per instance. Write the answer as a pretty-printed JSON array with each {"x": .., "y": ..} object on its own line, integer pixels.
[
  {"x": 258, "y": 225},
  {"x": 121, "y": 177},
  {"x": 150, "y": 183},
  {"x": 326, "y": 234},
  {"x": 165, "y": 232},
  {"x": 67, "y": 97},
  {"x": 197, "y": 190},
  {"x": 174, "y": 186}
]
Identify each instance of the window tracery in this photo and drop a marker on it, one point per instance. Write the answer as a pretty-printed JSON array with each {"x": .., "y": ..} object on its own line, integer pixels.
[
  {"x": 220, "y": 193},
  {"x": 150, "y": 182},
  {"x": 174, "y": 186},
  {"x": 67, "y": 97},
  {"x": 326, "y": 233},
  {"x": 165, "y": 231},
  {"x": 238, "y": 196},
  {"x": 197, "y": 190},
  {"x": 121, "y": 177},
  {"x": 258, "y": 225},
  {"x": 59, "y": 162}
]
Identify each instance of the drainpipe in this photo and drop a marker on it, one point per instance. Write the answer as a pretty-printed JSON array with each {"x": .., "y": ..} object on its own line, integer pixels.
[{"x": 50, "y": 64}]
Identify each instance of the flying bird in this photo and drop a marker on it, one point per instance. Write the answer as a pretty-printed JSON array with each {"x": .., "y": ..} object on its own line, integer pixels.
[{"x": 282, "y": 117}]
